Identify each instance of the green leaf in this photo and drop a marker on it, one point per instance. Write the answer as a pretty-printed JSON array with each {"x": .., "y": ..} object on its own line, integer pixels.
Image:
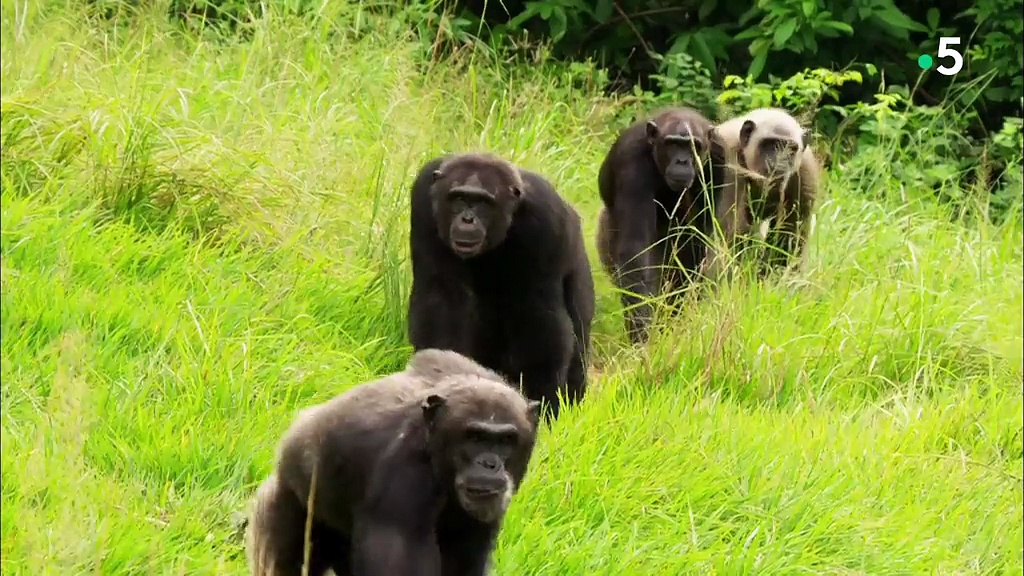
[
  {"x": 898, "y": 32},
  {"x": 731, "y": 79},
  {"x": 757, "y": 64},
  {"x": 603, "y": 10},
  {"x": 837, "y": 25},
  {"x": 933, "y": 18},
  {"x": 717, "y": 41},
  {"x": 783, "y": 33},
  {"x": 706, "y": 8},
  {"x": 727, "y": 96},
  {"x": 680, "y": 44},
  {"x": 999, "y": 94},
  {"x": 894, "y": 17},
  {"x": 558, "y": 24},
  {"x": 702, "y": 53},
  {"x": 749, "y": 15},
  {"x": 530, "y": 12},
  {"x": 808, "y": 7},
  {"x": 752, "y": 32},
  {"x": 759, "y": 46}
]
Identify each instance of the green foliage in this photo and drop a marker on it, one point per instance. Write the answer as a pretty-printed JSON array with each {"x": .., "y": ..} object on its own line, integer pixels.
[
  {"x": 789, "y": 26},
  {"x": 801, "y": 94},
  {"x": 972, "y": 176},
  {"x": 683, "y": 78},
  {"x": 779, "y": 38},
  {"x": 1000, "y": 53}
]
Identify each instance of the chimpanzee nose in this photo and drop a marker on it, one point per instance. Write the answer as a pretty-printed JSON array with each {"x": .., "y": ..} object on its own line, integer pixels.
[
  {"x": 468, "y": 218},
  {"x": 489, "y": 461}
]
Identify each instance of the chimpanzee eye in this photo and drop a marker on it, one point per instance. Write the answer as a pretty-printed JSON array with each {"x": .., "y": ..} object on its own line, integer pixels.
[
  {"x": 509, "y": 439},
  {"x": 485, "y": 438}
]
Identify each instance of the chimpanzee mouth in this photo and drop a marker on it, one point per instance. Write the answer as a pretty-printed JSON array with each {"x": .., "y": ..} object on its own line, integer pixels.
[
  {"x": 466, "y": 246},
  {"x": 485, "y": 500},
  {"x": 481, "y": 492},
  {"x": 679, "y": 184}
]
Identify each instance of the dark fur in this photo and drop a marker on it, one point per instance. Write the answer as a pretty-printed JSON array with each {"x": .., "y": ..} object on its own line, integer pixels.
[
  {"x": 522, "y": 302},
  {"x": 765, "y": 182},
  {"x": 392, "y": 460},
  {"x": 650, "y": 231}
]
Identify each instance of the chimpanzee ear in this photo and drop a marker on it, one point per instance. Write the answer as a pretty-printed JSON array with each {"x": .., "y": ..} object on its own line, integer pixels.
[
  {"x": 808, "y": 137},
  {"x": 436, "y": 175},
  {"x": 652, "y": 130},
  {"x": 533, "y": 411},
  {"x": 517, "y": 191},
  {"x": 716, "y": 148},
  {"x": 746, "y": 131},
  {"x": 431, "y": 406}
]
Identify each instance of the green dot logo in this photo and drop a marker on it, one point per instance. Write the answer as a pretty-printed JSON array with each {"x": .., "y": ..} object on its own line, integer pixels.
[{"x": 924, "y": 61}]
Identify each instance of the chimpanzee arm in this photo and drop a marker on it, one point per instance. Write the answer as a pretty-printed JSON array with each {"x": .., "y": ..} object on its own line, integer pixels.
[
  {"x": 394, "y": 533},
  {"x": 383, "y": 547},
  {"x": 731, "y": 221},
  {"x": 439, "y": 303},
  {"x": 435, "y": 320},
  {"x": 635, "y": 219}
]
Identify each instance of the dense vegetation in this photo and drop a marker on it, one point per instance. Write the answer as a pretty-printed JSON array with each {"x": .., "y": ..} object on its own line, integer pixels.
[{"x": 204, "y": 231}]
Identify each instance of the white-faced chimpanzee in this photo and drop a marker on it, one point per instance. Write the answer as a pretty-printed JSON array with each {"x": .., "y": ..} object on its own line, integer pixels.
[{"x": 772, "y": 181}]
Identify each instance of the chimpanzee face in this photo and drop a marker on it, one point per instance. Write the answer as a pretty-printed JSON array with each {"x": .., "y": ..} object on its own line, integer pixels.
[
  {"x": 474, "y": 204},
  {"x": 485, "y": 449},
  {"x": 677, "y": 154},
  {"x": 772, "y": 151}
]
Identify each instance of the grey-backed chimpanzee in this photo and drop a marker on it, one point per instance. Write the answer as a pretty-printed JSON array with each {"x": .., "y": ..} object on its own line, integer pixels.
[
  {"x": 772, "y": 182},
  {"x": 500, "y": 274},
  {"x": 651, "y": 229},
  {"x": 407, "y": 475}
]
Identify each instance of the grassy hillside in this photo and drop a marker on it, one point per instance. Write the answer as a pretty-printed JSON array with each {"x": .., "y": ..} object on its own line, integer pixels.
[{"x": 200, "y": 238}]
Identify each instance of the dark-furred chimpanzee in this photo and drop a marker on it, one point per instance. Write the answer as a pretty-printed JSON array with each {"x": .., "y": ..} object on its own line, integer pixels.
[
  {"x": 407, "y": 475},
  {"x": 500, "y": 274},
  {"x": 655, "y": 183}
]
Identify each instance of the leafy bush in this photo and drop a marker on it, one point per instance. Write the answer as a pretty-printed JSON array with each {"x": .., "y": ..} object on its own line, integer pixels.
[{"x": 778, "y": 38}]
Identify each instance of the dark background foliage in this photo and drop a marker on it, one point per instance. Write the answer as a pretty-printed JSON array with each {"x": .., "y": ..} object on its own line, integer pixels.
[{"x": 778, "y": 38}]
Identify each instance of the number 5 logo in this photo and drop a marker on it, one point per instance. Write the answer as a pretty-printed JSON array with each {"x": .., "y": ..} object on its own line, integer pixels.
[{"x": 946, "y": 44}]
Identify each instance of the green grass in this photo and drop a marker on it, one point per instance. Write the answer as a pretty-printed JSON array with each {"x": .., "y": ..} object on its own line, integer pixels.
[{"x": 200, "y": 238}]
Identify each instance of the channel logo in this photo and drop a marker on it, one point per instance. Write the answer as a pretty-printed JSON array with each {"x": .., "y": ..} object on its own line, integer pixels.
[{"x": 947, "y": 49}]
